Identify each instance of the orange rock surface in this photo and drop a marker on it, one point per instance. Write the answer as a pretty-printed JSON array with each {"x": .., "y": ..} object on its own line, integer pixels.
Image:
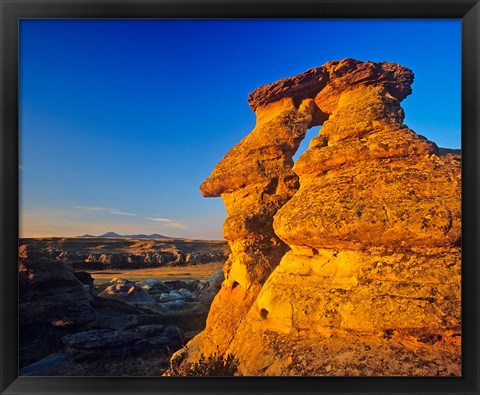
[{"x": 348, "y": 261}]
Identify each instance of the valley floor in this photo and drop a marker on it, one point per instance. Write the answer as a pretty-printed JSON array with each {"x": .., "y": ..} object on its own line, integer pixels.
[{"x": 185, "y": 273}]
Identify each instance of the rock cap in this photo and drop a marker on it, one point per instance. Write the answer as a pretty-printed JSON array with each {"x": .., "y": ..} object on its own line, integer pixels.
[{"x": 339, "y": 74}]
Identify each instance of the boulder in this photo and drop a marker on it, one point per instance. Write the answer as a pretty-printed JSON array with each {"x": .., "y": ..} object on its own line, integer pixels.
[
  {"x": 104, "y": 343},
  {"x": 186, "y": 294},
  {"x": 175, "y": 304},
  {"x": 182, "y": 293},
  {"x": 52, "y": 302},
  {"x": 152, "y": 285},
  {"x": 162, "y": 336},
  {"x": 49, "y": 291},
  {"x": 170, "y": 296}
]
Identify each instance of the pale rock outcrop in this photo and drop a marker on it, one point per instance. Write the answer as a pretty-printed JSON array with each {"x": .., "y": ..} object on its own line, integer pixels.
[
  {"x": 347, "y": 263},
  {"x": 128, "y": 292},
  {"x": 154, "y": 286}
]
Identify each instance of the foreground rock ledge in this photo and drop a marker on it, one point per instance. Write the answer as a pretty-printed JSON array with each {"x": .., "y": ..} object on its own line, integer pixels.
[{"x": 348, "y": 262}]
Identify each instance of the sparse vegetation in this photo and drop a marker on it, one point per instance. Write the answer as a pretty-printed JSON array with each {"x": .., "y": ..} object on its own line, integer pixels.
[{"x": 213, "y": 365}]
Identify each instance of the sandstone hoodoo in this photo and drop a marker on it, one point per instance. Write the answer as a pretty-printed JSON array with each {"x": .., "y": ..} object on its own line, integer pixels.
[{"x": 348, "y": 261}]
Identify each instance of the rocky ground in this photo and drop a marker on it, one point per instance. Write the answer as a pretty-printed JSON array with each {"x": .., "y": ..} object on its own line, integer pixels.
[{"x": 71, "y": 326}]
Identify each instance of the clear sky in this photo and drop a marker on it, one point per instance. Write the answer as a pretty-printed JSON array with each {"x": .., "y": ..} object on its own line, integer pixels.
[{"x": 121, "y": 121}]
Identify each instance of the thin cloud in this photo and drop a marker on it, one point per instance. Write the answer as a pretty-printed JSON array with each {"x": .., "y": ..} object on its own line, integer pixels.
[
  {"x": 118, "y": 212},
  {"x": 168, "y": 222},
  {"x": 109, "y": 210},
  {"x": 160, "y": 219}
]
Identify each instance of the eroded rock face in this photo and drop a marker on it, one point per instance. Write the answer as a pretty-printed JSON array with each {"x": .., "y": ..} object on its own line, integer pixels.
[
  {"x": 52, "y": 302},
  {"x": 49, "y": 292},
  {"x": 368, "y": 180},
  {"x": 254, "y": 179},
  {"x": 371, "y": 213}
]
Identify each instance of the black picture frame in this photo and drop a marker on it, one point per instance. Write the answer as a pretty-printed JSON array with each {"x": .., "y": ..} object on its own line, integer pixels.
[{"x": 13, "y": 10}]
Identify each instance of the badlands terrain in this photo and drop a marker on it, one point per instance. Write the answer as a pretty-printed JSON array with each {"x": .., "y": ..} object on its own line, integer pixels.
[{"x": 111, "y": 305}]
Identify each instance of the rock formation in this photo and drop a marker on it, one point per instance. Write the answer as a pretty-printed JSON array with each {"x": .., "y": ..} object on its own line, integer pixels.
[
  {"x": 49, "y": 292},
  {"x": 107, "y": 343},
  {"x": 128, "y": 292},
  {"x": 348, "y": 262},
  {"x": 52, "y": 302}
]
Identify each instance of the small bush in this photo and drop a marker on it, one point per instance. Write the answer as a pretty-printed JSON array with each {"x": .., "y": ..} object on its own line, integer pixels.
[{"x": 214, "y": 365}]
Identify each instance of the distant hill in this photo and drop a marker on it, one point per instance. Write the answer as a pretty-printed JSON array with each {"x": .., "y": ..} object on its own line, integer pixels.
[
  {"x": 152, "y": 236},
  {"x": 139, "y": 236},
  {"x": 110, "y": 234}
]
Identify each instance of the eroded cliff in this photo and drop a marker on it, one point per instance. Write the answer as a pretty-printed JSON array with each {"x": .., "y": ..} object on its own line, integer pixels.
[{"x": 348, "y": 261}]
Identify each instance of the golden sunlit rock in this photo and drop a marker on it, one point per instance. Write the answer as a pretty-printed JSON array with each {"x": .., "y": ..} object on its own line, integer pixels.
[{"x": 348, "y": 262}]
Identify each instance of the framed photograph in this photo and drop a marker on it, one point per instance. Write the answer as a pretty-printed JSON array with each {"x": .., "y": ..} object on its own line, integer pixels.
[{"x": 240, "y": 197}]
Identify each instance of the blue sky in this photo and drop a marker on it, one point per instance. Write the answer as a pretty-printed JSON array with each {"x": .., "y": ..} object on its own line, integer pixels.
[{"x": 121, "y": 121}]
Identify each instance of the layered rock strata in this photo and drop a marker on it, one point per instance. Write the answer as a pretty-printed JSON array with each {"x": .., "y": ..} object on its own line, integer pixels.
[{"x": 348, "y": 262}]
